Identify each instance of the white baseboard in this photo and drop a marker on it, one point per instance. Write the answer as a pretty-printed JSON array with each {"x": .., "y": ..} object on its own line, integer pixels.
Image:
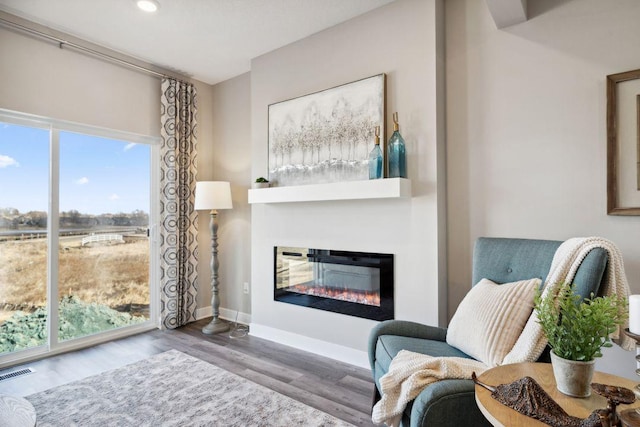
[
  {"x": 225, "y": 313},
  {"x": 203, "y": 312},
  {"x": 312, "y": 345}
]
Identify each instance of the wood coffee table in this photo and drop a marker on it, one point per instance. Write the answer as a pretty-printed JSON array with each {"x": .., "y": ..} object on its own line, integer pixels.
[{"x": 501, "y": 415}]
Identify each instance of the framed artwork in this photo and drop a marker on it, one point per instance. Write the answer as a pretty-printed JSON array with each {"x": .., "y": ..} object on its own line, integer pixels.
[
  {"x": 326, "y": 136},
  {"x": 623, "y": 143}
]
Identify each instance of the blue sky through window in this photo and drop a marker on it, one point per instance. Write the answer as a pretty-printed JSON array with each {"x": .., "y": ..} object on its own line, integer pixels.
[{"x": 97, "y": 175}]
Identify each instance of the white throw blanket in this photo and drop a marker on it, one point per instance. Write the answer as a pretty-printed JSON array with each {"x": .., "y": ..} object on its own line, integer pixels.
[
  {"x": 410, "y": 372},
  {"x": 565, "y": 263}
]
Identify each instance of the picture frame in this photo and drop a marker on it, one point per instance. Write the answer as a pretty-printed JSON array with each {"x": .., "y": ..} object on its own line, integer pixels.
[
  {"x": 326, "y": 136},
  {"x": 623, "y": 143}
]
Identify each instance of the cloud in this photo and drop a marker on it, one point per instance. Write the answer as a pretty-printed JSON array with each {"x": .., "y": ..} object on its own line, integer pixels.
[
  {"x": 129, "y": 146},
  {"x": 114, "y": 196},
  {"x": 82, "y": 181},
  {"x": 7, "y": 161}
]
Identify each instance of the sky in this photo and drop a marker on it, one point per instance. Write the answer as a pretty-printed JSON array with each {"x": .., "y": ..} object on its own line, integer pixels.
[{"x": 97, "y": 175}]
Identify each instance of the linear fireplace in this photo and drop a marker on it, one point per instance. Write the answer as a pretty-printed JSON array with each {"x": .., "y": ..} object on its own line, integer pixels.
[{"x": 355, "y": 283}]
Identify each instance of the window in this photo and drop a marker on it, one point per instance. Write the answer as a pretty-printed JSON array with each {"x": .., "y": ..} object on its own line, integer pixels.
[{"x": 76, "y": 240}]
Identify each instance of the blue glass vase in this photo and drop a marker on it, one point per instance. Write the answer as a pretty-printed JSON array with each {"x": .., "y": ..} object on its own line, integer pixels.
[
  {"x": 375, "y": 158},
  {"x": 396, "y": 153}
]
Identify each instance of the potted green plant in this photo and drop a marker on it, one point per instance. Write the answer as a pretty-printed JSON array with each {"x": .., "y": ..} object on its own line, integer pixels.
[
  {"x": 577, "y": 331},
  {"x": 261, "y": 183}
]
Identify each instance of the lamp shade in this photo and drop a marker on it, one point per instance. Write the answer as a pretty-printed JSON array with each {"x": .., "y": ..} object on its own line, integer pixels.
[{"x": 213, "y": 195}]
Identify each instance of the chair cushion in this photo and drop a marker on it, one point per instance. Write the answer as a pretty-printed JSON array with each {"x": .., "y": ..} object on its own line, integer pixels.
[
  {"x": 389, "y": 345},
  {"x": 490, "y": 319}
]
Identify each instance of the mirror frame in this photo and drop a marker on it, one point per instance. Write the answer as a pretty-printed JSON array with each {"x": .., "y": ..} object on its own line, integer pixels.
[{"x": 613, "y": 207}]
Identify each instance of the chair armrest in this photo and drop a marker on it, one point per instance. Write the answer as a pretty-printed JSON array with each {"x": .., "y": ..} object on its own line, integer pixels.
[
  {"x": 447, "y": 403},
  {"x": 403, "y": 328}
]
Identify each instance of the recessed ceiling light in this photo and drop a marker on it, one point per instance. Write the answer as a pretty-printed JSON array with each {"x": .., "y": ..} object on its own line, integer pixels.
[{"x": 148, "y": 5}]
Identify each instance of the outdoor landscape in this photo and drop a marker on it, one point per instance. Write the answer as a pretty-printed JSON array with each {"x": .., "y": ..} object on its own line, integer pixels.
[
  {"x": 100, "y": 187},
  {"x": 103, "y": 275}
]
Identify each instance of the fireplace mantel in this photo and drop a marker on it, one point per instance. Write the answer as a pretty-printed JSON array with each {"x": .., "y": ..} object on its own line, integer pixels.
[{"x": 388, "y": 188}]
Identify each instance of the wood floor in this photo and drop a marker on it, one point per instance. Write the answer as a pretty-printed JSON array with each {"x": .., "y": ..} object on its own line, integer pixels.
[{"x": 337, "y": 388}]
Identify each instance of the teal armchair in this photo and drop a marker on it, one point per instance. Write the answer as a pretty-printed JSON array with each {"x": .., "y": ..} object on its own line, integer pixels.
[{"x": 502, "y": 260}]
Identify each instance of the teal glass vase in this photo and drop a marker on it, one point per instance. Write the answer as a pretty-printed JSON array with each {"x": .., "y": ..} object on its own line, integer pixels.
[
  {"x": 396, "y": 152},
  {"x": 375, "y": 158}
]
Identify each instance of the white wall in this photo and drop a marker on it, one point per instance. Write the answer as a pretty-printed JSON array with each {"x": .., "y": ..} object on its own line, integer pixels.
[
  {"x": 526, "y": 130},
  {"x": 40, "y": 78},
  {"x": 226, "y": 156},
  {"x": 400, "y": 40}
]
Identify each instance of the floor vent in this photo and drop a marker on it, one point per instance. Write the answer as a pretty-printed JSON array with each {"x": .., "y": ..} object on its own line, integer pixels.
[{"x": 15, "y": 374}]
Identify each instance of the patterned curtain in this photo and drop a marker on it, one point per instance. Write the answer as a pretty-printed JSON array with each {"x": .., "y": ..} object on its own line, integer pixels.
[{"x": 178, "y": 222}]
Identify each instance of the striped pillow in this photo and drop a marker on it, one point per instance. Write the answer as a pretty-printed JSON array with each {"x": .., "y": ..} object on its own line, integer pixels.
[{"x": 490, "y": 319}]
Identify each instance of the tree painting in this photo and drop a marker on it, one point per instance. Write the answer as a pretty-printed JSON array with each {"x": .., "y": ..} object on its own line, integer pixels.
[{"x": 325, "y": 136}]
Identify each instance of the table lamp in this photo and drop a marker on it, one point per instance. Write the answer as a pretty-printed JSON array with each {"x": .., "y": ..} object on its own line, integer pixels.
[{"x": 211, "y": 196}]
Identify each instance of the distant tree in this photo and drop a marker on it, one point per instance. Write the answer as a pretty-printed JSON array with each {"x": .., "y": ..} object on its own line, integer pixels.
[
  {"x": 34, "y": 219},
  {"x": 74, "y": 215},
  {"x": 139, "y": 218},
  {"x": 10, "y": 212},
  {"x": 8, "y": 223},
  {"x": 121, "y": 219},
  {"x": 73, "y": 218},
  {"x": 105, "y": 219},
  {"x": 9, "y": 218}
]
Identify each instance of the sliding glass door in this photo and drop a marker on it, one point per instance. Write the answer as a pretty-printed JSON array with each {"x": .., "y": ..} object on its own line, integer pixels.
[
  {"x": 24, "y": 182},
  {"x": 103, "y": 255},
  {"x": 75, "y": 235}
]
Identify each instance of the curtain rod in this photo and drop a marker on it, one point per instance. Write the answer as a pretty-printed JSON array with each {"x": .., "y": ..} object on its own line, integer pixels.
[{"x": 62, "y": 43}]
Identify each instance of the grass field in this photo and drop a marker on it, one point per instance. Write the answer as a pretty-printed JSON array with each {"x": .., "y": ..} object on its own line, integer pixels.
[{"x": 115, "y": 275}]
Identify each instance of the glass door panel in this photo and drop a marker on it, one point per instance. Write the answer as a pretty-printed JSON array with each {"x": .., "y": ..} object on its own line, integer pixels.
[
  {"x": 103, "y": 271},
  {"x": 24, "y": 184}
]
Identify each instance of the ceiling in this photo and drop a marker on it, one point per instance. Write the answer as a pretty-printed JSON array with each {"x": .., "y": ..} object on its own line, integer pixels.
[{"x": 208, "y": 40}]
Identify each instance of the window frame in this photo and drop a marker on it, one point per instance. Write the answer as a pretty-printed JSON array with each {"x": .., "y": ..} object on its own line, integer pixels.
[{"x": 55, "y": 126}]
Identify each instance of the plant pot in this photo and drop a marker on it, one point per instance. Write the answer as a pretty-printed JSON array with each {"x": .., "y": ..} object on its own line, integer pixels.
[
  {"x": 573, "y": 378},
  {"x": 260, "y": 185}
]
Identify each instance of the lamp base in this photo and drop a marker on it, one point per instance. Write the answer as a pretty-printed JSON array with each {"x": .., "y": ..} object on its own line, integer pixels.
[{"x": 215, "y": 326}]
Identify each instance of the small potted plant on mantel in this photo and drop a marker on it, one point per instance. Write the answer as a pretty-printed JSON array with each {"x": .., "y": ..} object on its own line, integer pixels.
[
  {"x": 261, "y": 183},
  {"x": 577, "y": 331}
]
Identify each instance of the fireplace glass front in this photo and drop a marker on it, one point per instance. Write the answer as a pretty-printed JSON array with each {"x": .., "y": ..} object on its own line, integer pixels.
[{"x": 354, "y": 283}]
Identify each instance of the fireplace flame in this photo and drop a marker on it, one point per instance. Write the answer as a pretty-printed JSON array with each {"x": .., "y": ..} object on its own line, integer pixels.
[{"x": 342, "y": 294}]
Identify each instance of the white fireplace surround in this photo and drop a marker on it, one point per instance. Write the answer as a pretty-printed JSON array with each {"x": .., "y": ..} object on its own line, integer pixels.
[{"x": 405, "y": 218}]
